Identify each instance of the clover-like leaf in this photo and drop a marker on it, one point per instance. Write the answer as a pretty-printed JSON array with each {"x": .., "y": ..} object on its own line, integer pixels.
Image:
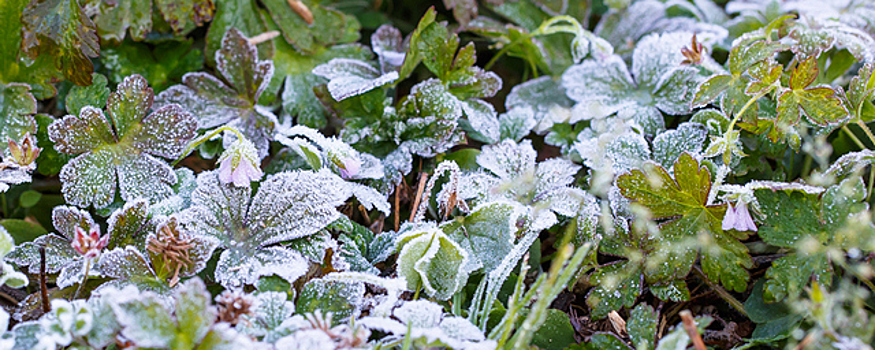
[
  {"x": 429, "y": 259},
  {"x": 287, "y": 205},
  {"x": 809, "y": 222},
  {"x": 234, "y": 104},
  {"x": 121, "y": 147},
  {"x": 62, "y": 29},
  {"x": 683, "y": 200},
  {"x": 819, "y": 103}
]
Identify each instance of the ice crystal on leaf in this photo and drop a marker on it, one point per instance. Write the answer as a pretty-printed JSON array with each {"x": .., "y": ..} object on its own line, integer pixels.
[
  {"x": 604, "y": 87},
  {"x": 810, "y": 223},
  {"x": 287, "y": 205},
  {"x": 66, "y": 321},
  {"x": 488, "y": 233},
  {"x": 516, "y": 177},
  {"x": 147, "y": 323},
  {"x": 428, "y": 258},
  {"x": 121, "y": 146},
  {"x": 547, "y": 100},
  {"x": 684, "y": 200},
  {"x": 818, "y": 103},
  {"x": 266, "y": 320},
  {"x": 234, "y": 104},
  {"x": 424, "y": 323},
  {"x": 813, "y": 36},
  {"x": 9, "y": 276}
]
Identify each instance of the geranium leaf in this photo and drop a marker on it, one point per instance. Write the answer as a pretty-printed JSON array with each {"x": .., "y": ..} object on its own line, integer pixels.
[
  {"x": 488, "y": 232},
  {"x": 349, "y": 77},
  {"x": 119, "y": 148},
  {"x": 683, "y": 200},
  {"x": 342, "y": 298},
  {"x": 428, "y": 258},
  {"x": 94, "y": 95},
  {"x": 116, "y": 18},
  {"x": 235, "y": 104}
]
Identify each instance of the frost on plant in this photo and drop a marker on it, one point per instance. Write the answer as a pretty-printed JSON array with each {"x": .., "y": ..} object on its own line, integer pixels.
[
  {"x": 425, "y": 323},
  {"x": 235, "y": 103},
  {"x": 121, "y": 148},
  {"x": 286, "y": 206},
  {"x": 657, "y": 83},
  {"x": 429, "y": 259}
]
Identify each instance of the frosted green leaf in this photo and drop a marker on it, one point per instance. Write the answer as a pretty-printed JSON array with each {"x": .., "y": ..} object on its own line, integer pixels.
[
  {"x": 431, "y": 114},
  {"x": 428, "y": 258},
  {"x": 488, "y": 233},
  {"x": 234, "y": 104},
  {"x": 683, "y": 200},
  {"x": 860, "y": 93},
  {"x": 813, "y": 36},
  {"x": 363, "y": 249},
  {"x": 508, "y": 159},
  {"x": 272, "y": 309},
  {"x": 670, "y": 144},
  {"x": 389, "y": 46},
  {"x": 121, "y": 147},
  {"x": 95, "y": 95},
  {"x": 544, "y": 96},
  {"x": 130, "y": 224},
  {"x": 351, "y": 77},
  {"x": 116, "y": 18},
  {"x": 287, "y": 206},
  {"x": 642, "y": 326},
  {"x": 10, "y": 276},
  {"x": 482, "y": 120},
  {"x": 344, "y": 299},
  {"x": 807, "y": 221},
  {"x": 60, "y": 255},
  {"x": 819, "y": 103},
  {"x": 299, "y": 100},
  {"x": 851, "y": 163},
  {"x": 516, "y": 124},
  {"x": 126, "y": 263},
  {"x": 17, "y": 105},
  {"x": 103, "y": 316},
  {"x": 326, "y": 26},
  {"x": 618, "y": 286},
  {"x": 611, "y": 146}
]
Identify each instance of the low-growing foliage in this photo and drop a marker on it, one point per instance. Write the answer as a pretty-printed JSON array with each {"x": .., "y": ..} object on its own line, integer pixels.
[{"x": 500, "y": 174}]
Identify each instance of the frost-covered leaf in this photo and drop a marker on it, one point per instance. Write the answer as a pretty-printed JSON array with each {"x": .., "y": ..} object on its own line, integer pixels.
[
  {"x": 234, "y": 104},
  {"x": 9, "y": 277},
  {"x": 860, "y": 93},
  {"x": 813, "y": 36},
  {"x": 545, "y": 97},
  {"x": 62, "y": 29},
  {"x": 642, "y": 326},
  {"x": 807, "y": 222},
  {"x": 488, "y": 233},
  {"x": 121, "y": 147},
  {"x": 429, "y": 259},
  {"x": 388, "y": 45},
  {"x": 344, "y": 299},
  {"x": 618, "y": 286},
  {"x": 516, "y": 124},
  {"x": 612, "y": 146},
  {"x": 604, "y": 87},
  {"x": 267, "y": 320},
  {"x": 349, "y": 77},
  {"x": 669, "y": 145},
  {"x": 684, "y": 199},
  {"x": 431, "y": 113},
  {"x": 818, "y": 103},
  {"x": 482, "y": 121},
  {"x": 17, "y": 105},
  {"x": 361, "y": 247},
  {"x": 115, "y": 19}
]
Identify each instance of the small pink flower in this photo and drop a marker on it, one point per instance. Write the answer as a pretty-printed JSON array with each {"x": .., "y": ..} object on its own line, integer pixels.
[
  {"x": 349, "y": 167},
  {"x": 89, "y": 244},
  {"x": 738, "y": 218},
  {"x": 239, "y": 164}
]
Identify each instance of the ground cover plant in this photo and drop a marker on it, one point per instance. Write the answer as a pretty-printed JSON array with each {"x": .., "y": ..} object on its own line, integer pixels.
[{"x": 498, "y": 174}]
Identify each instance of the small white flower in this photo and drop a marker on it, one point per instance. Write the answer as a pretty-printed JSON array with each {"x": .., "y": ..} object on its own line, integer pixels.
[
  {"x": 240, "y": 164},
  {"x": 738, "y": 218}
]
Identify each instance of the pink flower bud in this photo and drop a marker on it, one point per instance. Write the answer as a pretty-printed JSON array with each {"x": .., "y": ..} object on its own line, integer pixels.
[
  {"x": 738, "y": 218},
  {"x": 89, "y": 244},
  {"x": 239, "y": 164},
  {"x": 349, "y": 167}
]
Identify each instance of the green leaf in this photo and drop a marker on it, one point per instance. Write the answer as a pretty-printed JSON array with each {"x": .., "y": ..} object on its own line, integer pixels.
[
  {"x": 146, "y": 322},
  {"x": 414, "y": 56},
  {"x": 328, "y": 26},
  {"x": 860, "y": 93},
  {"x": 17, "y": 106},
  {"x": 50, "y": 160},
  {"x": 682, "y": 200},
  {"x": 184, "y": 15},
  {"x": 774, "y": 321},
  {"x": 121, "y": 147},
  {"x": 194, "y": 315},
  {"x": 217, "y": 103},
  {"x": 242, "y": 15},
  {"x": 488, "y": 233},
  {"x": 61, "y": 28},
  {"x": 556, "y": 333},
  {"x": 162, "y": 66},
  {"x": 642, "y": 326},
  {"x": 819, "y": 103},
  {"x": 94, "y": 95},
  {"x": 809, "y": 222},
  {"x": 342, "y": 298},
  {"x": 22, "y": 231},
  {"x": 117, "y": 17},
  {"x": 618, "y": 285},
  {"x": 428, "y": 258},
  {"x": 29, "y": 198},
  {"x": 40, "y": 72}
]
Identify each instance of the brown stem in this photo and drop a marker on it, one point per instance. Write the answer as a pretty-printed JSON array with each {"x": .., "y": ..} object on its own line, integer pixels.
[
  {"x": 302, "y": 10},
  {"x": 423, "y": 178},
  {"x": 397, "y": 212},
  {"x": 692, "y": 331},
  {"x": 43, "y": 289}
]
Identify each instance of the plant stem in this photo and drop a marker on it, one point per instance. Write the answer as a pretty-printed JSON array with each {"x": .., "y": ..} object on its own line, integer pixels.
[
  {"x": 198, "y": 141},
  {"x": 737, "y": 305},
  {"x": 866, "y": 131},
  {"x": 692, "y": 330},
  {"x": 747, "y": 105},
  {"x": 853, "y": 137},
  {"x": 84, "y": 278}
]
